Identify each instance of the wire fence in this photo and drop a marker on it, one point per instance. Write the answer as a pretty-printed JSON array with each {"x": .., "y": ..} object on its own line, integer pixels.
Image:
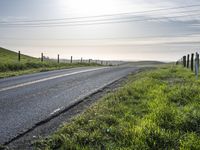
[
  {"x": 190, "y": 61},
  {"x": 71, "y": 60}
]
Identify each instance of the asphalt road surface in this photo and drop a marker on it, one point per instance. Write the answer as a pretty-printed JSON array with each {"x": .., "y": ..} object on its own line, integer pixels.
[{"x": 29, "y": 99}]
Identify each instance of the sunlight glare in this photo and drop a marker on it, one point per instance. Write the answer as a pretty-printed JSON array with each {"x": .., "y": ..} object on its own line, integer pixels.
[{"x": 88, "y": 7}]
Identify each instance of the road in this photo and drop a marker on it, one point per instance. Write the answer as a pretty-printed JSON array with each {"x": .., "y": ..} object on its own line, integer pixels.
[{"x": 29, "y": 99}]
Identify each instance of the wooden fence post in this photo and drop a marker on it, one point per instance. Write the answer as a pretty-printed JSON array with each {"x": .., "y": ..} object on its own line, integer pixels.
[
  {"x": 197, "y": 65},
  {"x": 19, "y": 56},
  {"x": 42, "y": 57},
  {"x": 71, "y": 60},
  {"x": 184, "y": 61},
  {"x": 89, "y": 61},
  {"x": 58, "y": 58},
  {"x": 192, "y": 62},
  {"x": 188, "y": 60},
  {"x": 81, "y": 59}
]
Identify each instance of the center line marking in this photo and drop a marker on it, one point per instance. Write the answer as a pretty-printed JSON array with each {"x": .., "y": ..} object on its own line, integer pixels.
[{"x": 46, "y": 79}]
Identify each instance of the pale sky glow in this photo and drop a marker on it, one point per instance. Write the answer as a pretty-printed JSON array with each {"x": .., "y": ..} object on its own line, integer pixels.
[{"x": 101, "y": 29}]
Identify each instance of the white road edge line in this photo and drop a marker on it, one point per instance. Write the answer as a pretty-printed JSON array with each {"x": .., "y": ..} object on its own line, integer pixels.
[
  {"x": 49, "y": 78},
  {"x": 56, "y": 110}
]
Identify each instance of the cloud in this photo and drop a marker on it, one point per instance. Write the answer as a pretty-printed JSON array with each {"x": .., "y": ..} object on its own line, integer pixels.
[
  {"x": 12, "y": 18},
  {"x": 171, "y": 24},
  {"x": 185, "y": 40}
]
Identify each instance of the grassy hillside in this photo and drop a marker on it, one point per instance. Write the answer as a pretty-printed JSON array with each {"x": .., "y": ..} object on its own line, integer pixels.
[
  {"x": 159, "y": 109},
  {"x": 9, "y": 65},
  {"x": 7, "y": 56}
]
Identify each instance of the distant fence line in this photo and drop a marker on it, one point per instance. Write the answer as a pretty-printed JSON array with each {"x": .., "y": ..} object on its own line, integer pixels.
[
  {"x": 71, "y": 60},
  {"x": 190, "y": 62}
]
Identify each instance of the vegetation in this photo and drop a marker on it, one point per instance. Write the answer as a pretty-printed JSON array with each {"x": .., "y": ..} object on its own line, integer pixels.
[
  {"x": 157, "y": 109},
  {"x": 7, "y": 56},
  {"x": 9, "y": 65}
]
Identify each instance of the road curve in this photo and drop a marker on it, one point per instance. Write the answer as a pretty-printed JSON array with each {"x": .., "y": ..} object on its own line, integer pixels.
[{"x": 29, "y": 99}]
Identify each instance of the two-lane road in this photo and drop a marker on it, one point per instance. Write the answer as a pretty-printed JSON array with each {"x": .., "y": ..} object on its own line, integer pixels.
[{"x": 29, "y": 99}]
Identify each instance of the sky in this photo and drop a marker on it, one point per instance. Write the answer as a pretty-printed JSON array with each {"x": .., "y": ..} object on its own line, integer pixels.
[{"x": 162, "y": 30}]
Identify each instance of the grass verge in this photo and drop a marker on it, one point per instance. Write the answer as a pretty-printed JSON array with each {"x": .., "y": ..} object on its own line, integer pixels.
[
  {"x": 8, "y": 70},
  {"x": 158, "y": 109},
  {"x": 10, "y": 66}
]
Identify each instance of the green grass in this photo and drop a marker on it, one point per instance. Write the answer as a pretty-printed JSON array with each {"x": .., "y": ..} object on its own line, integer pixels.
[
  {"x": 157, "y": 109},
  {"x": 7, "y": 56},
  {"x": 9, "y": 65}
]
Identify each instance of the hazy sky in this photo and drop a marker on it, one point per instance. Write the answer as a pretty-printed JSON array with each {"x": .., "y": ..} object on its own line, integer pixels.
[{"x": 101, "y": 29}]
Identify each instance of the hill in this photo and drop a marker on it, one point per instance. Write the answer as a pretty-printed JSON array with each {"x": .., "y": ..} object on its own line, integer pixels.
[
  {"x": 8, "y": 56},
  {"x": 10, "y": 66},
  {"x": 147, "y": 62},
  {"x": 143, "y": 63}
]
